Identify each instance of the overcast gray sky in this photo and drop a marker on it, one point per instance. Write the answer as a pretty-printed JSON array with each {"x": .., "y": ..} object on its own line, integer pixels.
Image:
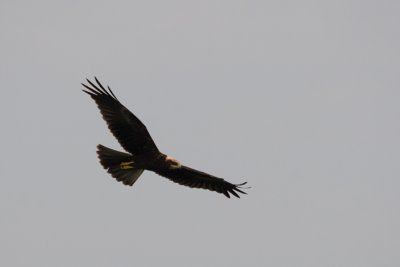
[{"x": 299, "y": 98}]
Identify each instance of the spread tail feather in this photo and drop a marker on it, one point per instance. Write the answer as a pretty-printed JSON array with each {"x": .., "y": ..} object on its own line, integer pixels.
[{"x": 113, "y": 161}]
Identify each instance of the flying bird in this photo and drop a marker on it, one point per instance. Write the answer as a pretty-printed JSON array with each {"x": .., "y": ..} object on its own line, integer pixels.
[{"x": 143, "y": 154}]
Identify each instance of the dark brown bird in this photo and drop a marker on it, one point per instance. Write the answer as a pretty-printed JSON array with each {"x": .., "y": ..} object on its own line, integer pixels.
[{"x": 143, "y": 152}]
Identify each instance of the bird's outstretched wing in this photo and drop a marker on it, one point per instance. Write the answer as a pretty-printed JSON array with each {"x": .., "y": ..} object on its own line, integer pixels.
[
  {"x": 197, "y": 179},
  {"x": 130, "y": 132}
]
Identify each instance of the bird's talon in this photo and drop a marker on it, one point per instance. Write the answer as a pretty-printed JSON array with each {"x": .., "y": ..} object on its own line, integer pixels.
[{"x": 126, "y": 165}]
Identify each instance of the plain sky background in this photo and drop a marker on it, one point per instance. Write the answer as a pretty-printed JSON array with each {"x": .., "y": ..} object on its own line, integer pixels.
[{"x": 299, "y": 98}]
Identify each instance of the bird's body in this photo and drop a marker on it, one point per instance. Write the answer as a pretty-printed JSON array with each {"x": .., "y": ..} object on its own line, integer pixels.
[{"x": 143, "y": 154}]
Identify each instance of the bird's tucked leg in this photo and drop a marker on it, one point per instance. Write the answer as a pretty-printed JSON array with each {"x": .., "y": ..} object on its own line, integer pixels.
[{"x": 126, "y": 165}]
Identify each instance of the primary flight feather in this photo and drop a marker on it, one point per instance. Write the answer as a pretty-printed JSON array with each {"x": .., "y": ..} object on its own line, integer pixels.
[{"x": 143, "y": 154}]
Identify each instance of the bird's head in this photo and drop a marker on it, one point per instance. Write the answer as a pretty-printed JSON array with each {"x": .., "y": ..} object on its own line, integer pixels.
[{"x": 173, "y": 163}]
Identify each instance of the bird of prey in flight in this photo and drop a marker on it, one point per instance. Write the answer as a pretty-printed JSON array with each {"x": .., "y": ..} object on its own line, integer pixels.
[{"x": 143, "y": 154}]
